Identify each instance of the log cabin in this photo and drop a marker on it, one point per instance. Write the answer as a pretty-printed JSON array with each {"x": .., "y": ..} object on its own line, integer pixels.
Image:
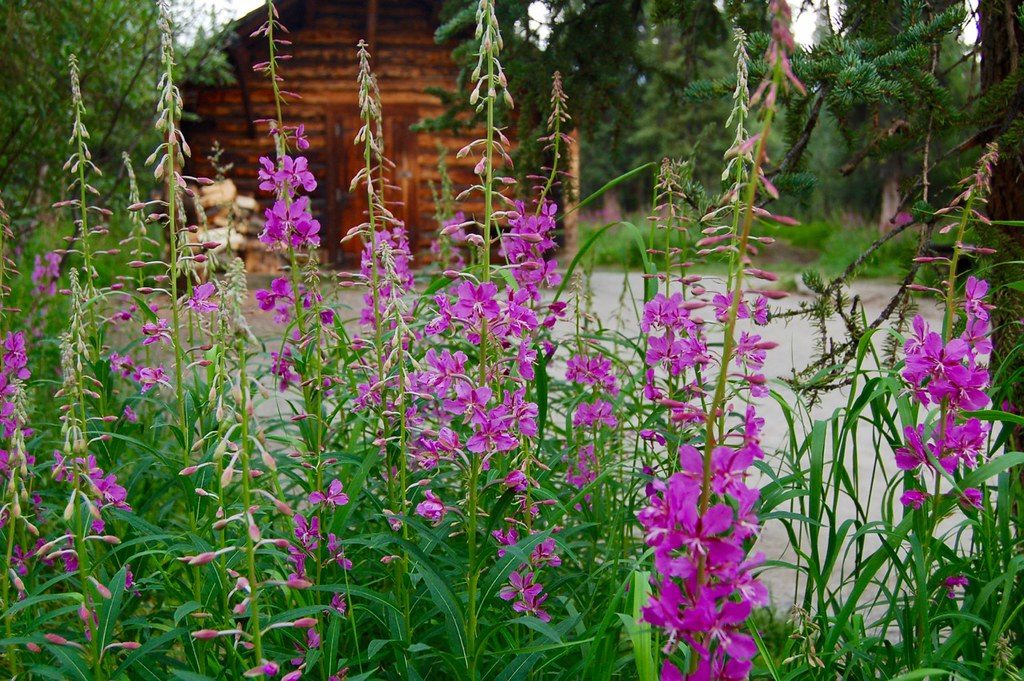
[{"x": 322, "y": 70}]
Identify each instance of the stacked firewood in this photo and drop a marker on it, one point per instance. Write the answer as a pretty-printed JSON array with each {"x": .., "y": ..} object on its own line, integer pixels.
[{"x": 234, "y": 221}]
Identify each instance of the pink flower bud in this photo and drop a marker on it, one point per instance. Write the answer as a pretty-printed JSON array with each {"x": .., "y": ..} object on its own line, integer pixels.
[
  {"x": 202, "y": 558},
  {"x": 205, "y": 634}
]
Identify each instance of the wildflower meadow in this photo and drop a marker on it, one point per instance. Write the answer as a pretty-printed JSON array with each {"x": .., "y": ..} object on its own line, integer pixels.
[{"x": 443, "y": 463}]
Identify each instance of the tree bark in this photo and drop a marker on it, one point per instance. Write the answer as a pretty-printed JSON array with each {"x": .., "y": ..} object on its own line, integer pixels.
[{"x": 890, "y": 202}]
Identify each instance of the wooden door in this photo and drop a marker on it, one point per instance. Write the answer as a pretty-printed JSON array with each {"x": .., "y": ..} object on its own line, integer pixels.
[{"x": 347, "y": 208}]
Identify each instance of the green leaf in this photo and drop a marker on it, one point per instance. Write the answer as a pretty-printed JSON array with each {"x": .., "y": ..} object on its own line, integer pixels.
[
  {"x": 921, "y": 674},
  {"x": 992, "y": 469},
  {"x": 148, "y": 647},
  {"x": 71, "y": 663},
  {"x": 110, "y": 609},
  {"x": 611, "y": 184}
]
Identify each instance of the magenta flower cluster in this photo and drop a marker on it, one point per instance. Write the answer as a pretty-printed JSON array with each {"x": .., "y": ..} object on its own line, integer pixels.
[
  {"x": 701, "y": 518},
  {"x": 289, "y": 222},
  {"x": 490, "y": 403},
  {"x": 593, "y": 414},
  {"x": 13, "y": 369},
  {"x": 948, "y": 374},
  {"x": 46, "y": 272}
]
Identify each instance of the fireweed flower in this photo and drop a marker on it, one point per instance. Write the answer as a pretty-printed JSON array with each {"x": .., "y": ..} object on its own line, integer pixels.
[
  {"x": 289, "y": 222},
  {"x": 46, "y": 272},
  {"x": 334, "y": 496},
  {"x": 156, "y": 332},
  {"x": 700, "y": 518},
  {"x": 431, "y": 508},
  {"x": 954, "y": 583},
  {"x": 527, "y": 594},
  {"x": 16, "y": 464},
  {"x": 201, "y": 295},
  {"x": 951, "y": 375},
  {"x": 149, "y": 377},
  {"x": 525, "y": 244}
]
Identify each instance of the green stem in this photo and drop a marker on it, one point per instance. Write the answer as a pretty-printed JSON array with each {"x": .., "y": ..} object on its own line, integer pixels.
[
  {"x": 474, "y": 474},
  {"x": 932, "y": 521},
  {"x": 728, "y": 341},
  {"x": 89, "y": 595},
  {"x": 12, "y": 651},
  {"x": 250, "y": 548}
]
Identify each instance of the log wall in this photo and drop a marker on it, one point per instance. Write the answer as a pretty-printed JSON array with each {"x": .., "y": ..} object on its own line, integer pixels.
[{"x": 322, "y": 70}]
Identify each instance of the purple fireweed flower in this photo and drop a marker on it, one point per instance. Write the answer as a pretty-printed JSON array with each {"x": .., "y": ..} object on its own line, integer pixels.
[
  {"x": 281, "y": 366},
  {"x": 156, "y": 332},
  {"x": 527, "y": 594},
  {"x": 13, "y": 362},
  {"x": 664, "y": 313},
  {"x": 524, "y": 245},
  {"x": 430, "y": 451},
  {"x": 122, "y": 365},
  {"x": 521, "y": 412},
  {"x": 444, "y": 368},
  {"x": 598, "y": 413},
  {"x": 526, "y": 358},
  {"x": 432, "y": 508},
  {"x": 948, "y": 374},
  {"x": 125, "y": 314},
  {"x": 102, "y": 487},
  {"x": 913, "y": 498},
  {"x": 955, "y": 582},
  {"x": 971, "y": 498},
  {"x": 151, "y": 376},
  {"x": 291, "y": 222},
  {"x": 45, "y": 273},
  {"x": 307, "y": 531},
  {"x": 334, "y": 496},
  {"x": 278, "y": 298},
  {"x": 200, "y": 300},
  {"x": 471, "y": 402},
  {"x": 508, "y": 537},
  {"x": 595, "y": 371},
  {"x": 705, "y": 587},
  {"x": 722, "y": 302},
  {"x": 292, "y": 174},
  {"x": 517, "y": 480},
  {"x": 516, "y": 319},
  {"x": 492, "y": 434},
  {"x": 544, "y": 554},
  {"x": 337, "y": 552},
  {"x": 583, "y": 469},
  {"x": 760, "y": 314},
  {"x": 475, "y": 302}
]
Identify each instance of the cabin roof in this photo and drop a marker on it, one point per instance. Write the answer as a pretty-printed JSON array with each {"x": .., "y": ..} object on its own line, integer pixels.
[{"x": 297, "y": 13}]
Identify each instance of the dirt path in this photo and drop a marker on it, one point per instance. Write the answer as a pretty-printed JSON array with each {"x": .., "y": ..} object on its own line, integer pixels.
[
  {"x": 616, "y": 300},
  {"x": 796, "y": 340}
]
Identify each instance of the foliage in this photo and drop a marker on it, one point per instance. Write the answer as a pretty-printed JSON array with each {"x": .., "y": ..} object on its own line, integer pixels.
[{"x": 118, "y": 45}]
